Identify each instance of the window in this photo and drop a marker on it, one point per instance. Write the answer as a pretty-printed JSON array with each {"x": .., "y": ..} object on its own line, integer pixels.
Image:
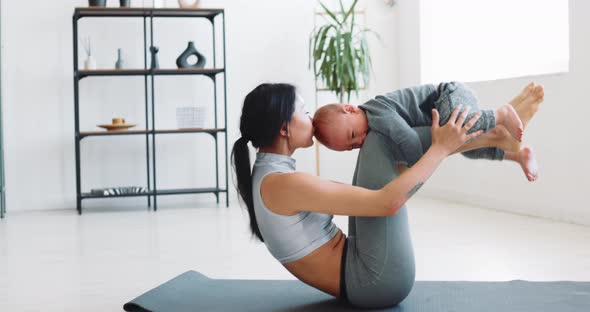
[{"x": 475, "y": 40}]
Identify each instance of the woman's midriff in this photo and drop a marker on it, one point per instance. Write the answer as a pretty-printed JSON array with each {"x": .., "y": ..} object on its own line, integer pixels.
[{"x": 321, "y": 268}]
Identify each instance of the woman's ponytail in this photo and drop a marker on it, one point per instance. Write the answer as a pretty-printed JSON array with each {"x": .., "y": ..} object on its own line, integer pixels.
[{"x": 241, "y": 162}]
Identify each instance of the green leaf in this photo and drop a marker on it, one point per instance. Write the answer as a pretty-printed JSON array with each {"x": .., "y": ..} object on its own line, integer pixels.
[
  {"x": 350, "y": 11},
  {"x": 331, "y": 14},
  {"x": 320, "y": 47},
  {"x": 342, "y": 10}
]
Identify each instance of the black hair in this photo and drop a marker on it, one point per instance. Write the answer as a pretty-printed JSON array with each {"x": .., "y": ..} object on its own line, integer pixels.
[{"x": 266, "y": 109}]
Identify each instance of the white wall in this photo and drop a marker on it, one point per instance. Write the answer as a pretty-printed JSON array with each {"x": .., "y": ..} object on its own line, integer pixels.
[
  {"x": 557, "y": 133},
  {"x": 266, "y": 42}
]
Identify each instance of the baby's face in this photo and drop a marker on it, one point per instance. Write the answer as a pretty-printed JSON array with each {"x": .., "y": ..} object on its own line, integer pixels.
[{"x": 347, "y": 132}]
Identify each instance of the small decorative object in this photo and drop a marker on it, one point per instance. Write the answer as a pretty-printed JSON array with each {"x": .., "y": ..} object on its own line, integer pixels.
[
  {"x": 188, "y": 4},
  {"x": 121, "y": 190},
  {"x": 154, "y": 51},
  {"x": 118, "y": 124},
  {"x": 119, "y": 64},
  {"x": 97, "y": 3},
  {"x": 182, "y": 60},
  {"x": 125, "y": 3},
  {"x": 190, "y": 117},
  {"x": 89, "y": 63}
]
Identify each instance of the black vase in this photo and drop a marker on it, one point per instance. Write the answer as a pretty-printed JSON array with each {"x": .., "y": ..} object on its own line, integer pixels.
[
  {"x": 97, "y": 3},
  {"x": 125, "y": 3},
  {"x": 182, "y": 60},
  {"x": 154, "y": 51}
]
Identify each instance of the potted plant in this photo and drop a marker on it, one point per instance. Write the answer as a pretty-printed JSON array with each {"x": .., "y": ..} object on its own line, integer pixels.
[{"x": 339, "y": 52}]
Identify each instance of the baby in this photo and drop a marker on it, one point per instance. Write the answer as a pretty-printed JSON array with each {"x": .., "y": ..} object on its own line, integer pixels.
[{"x": 344, "y": 126}]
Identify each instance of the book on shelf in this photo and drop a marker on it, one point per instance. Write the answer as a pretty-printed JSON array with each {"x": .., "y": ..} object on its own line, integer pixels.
[{"x": 122, "y": 190}]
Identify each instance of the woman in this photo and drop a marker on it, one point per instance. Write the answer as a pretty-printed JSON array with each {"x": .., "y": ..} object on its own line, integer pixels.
[{"x": 292, "y": 212}]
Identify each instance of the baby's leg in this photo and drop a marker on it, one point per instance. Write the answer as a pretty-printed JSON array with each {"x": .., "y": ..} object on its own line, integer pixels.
[
  {"x": 497, "y": 138},
  {"x": 479, "y": 149},
  {"x": 454, "y": 94},
  {"x": 489, "y": 153},
  {"x": 494, "y": 145}
]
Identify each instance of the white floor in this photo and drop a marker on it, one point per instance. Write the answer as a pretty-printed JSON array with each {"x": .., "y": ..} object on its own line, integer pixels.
[{"x": 59, "y": 261}]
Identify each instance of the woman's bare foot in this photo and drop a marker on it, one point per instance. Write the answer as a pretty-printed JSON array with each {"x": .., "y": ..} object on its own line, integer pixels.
[
  {"x": 527, "y": 102},
  {"x": 522, "y": 95},
  {"x": 526, "y": 158},
  {"x": 507, "y": 116},
  {"x": 530, "y": 104}
]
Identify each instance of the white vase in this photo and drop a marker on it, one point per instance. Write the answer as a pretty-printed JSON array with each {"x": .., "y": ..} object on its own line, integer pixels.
[
  {"x": 188, "y": 3},
  {"x": 90, "y": 63}
]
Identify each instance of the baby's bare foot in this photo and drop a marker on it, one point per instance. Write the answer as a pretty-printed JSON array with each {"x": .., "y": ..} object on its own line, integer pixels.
[
  {"x": 517, "y": 100},
  {"x": 526, "y": 158},
  {"x": 501, "y": 138},
  {"x": 507, "y": 117}
]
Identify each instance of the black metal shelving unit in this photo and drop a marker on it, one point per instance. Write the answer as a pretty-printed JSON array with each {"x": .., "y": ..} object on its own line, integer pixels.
[
  {"x": 2, "y": 175},
  {"x": 148, "y": 15}
]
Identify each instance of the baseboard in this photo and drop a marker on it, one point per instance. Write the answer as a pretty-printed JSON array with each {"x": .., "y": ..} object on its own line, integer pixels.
[{"x": 501, "y": 205}]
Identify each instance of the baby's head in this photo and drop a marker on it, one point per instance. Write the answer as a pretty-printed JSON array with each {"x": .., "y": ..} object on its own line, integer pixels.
[{"x": 340, "y": 127}]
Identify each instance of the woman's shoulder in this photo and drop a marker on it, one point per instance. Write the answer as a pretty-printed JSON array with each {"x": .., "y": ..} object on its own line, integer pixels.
[{"x": 275, "y": 187}]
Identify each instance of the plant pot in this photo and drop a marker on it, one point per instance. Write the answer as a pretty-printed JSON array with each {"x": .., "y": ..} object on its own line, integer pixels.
[
  {"x": 97, "y": 3},
  {"x": 125, "y": 3}
]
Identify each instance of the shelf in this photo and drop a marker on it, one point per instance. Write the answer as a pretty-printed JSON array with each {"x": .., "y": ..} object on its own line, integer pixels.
[
  {"x": 190, "y": 191},
  {"x": 136, "y": 132},
  {"x": 142, "y": 14},
  {"x": 194, "y": 130},
  {"x": 160, "y": 192},
  {"x": 90, "y": 195},
  {"x": 146, "y": 72},
  {"x": 146, "y": 12}
]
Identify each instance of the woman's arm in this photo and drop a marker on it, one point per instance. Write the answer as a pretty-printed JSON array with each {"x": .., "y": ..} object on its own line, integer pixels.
[{"x": 289, "y": 193}]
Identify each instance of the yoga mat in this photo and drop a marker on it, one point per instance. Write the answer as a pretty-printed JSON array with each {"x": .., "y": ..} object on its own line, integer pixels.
[{"x": 192, "y": 291}]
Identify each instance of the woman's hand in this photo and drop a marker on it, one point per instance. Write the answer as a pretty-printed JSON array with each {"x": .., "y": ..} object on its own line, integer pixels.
[{"x": 453, "y": 134}]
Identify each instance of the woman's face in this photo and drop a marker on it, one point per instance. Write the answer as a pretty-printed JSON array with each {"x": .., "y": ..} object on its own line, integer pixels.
[{"x": 300, "y": 127}]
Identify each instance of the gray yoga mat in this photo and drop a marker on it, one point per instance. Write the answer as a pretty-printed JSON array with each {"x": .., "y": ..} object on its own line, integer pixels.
[{"x": 192, "y": 291}]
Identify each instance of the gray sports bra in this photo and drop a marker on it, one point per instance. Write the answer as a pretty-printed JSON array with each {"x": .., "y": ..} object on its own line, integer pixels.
[{"x": 288, "y": 238}]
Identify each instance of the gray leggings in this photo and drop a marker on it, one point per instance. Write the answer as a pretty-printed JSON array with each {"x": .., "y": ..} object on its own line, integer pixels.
[
  {"x": 454, "y": 93},
  {"x": 378, "y": 266}
]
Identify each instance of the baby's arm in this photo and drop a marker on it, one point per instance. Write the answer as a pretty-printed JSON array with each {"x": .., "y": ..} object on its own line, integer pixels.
[{"x": 405, "y": 143}]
